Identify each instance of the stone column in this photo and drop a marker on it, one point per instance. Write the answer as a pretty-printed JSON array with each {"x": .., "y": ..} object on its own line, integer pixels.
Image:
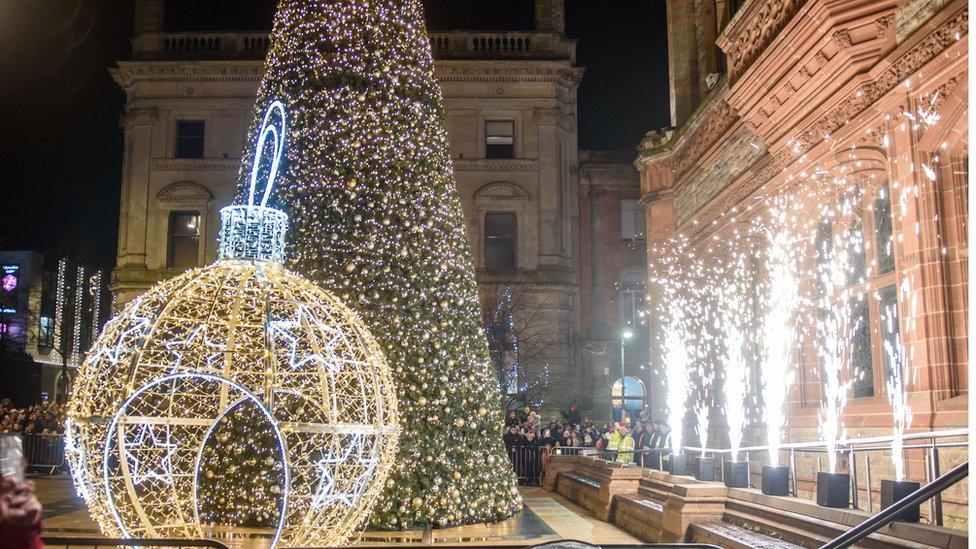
[
  {"x": 918, "y": 248},
  {"x": 550, "y": 186},
  {"x": 148, "y": 17},
  {"x": 598, "y": 326},
  {"x": 134, "y": 210},
  {"x": 657, "y": 198},
  {"x": 682, "y": 59},
  {"x": 550, "y": 15},
  {"x": 706, "y": 33}
]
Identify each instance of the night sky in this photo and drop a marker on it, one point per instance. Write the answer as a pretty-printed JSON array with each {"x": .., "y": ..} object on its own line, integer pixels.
[{"x": 61, "y": 150}]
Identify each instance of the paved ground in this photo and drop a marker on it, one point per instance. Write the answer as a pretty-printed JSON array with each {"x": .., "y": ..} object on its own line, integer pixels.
[{"x": 547, "y": 517}]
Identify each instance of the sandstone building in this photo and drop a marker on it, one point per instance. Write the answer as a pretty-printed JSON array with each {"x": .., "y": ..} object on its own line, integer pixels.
[
  {"x": 765, "y": 93},
  {"x": 511, "y": 114}
]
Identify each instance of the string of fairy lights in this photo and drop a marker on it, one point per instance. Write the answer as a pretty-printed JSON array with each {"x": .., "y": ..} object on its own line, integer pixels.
[
  {"x": 59, "y": 302},
  {"x": 79, "y": 310},
  {"x": 238, "y": 401},
  {"x": 376, "y": 218}
]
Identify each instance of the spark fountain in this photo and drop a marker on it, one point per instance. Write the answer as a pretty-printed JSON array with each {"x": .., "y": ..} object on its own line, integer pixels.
[
  {"x": 736, "y": 381},
  {"x": 676, "y": 366},
  {"x": 777, "y": 333},
  {"x": 836, "y": 275},
  {"x": 704, "y": 467},
  {"x": 894, "y": 490}
]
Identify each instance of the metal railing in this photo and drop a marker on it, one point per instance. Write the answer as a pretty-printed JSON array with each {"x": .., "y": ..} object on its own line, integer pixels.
[
  {"x": 528, "y": 462},
  {"x": 72, "y": 541},
  {"x": 647, "y": 458},
  {"x": 851, "y": 448},
  {"x": 873, "y": 524},
  {"x": 44, "y": 451},
  {"x": 930, "y": 443}
]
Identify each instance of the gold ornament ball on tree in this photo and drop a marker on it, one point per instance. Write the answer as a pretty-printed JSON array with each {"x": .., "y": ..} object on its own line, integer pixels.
[{"x": 238, "y": 401}]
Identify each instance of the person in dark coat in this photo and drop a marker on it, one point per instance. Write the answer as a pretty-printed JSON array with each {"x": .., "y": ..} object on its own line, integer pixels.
[
  {"x": 511, "y": 419},
  {"x": 530, "y": 459},
  {"x": 645, "y": 441},
  {"x": 573, "y": 417},
  {"x": 663, "y": 440},
  {"x": 512, "y": 438}
]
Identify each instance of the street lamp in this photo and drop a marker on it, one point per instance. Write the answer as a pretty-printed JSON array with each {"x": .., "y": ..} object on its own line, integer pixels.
[{"x": 624, "y": 336}]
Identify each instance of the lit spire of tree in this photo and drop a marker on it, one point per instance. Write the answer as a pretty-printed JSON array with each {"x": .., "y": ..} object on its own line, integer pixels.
[{"x": 376, "y": 218}]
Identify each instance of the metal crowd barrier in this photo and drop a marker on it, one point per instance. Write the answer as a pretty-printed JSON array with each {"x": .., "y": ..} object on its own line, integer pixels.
[
  {"x": 44, "y": 451},
  {"x": 649, "y": 458},
  {"x": 528, "y": 462}
]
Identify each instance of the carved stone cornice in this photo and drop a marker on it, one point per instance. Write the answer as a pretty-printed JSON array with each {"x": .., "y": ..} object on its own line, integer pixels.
[
  {"x": 871, "y": 91},
  {"x": 128, "y": 73},
  {"x": 846, "y": 108},
  {"x": 195, "y": 165},
  {"x": 512, "y": 71},
  {"x": 828, "y": 44},
  {"x": 752, "y": 29},
  {"x": 496, "y": 165},
  {"x": 701, "y": 135},
  {"x": 184, "y": 192},
  {"x": 501, "y": 191}
]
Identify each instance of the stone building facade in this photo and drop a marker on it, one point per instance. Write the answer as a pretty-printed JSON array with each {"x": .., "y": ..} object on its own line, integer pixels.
[
  {"x": 511, "y": 113},
  {"x": 765, "y": 93}
]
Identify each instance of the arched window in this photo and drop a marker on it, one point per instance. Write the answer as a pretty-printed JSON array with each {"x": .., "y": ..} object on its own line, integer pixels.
[{"x": 626, "y": 397}]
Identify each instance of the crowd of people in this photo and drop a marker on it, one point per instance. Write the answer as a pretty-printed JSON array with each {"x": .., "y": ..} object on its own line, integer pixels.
[
  {"x": 36, "y": 419},
  {"x": 529, "y": 439}
]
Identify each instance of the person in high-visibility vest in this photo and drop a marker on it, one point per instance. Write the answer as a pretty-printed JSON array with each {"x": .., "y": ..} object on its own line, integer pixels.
[
  {"x": 612, "y": 437},
  {"x": 625, "y": 448}
]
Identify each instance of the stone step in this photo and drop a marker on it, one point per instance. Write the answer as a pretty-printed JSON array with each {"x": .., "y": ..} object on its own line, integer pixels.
[
  {"x": 806, "y": 530},
  {"x": 732, "y": 536}
]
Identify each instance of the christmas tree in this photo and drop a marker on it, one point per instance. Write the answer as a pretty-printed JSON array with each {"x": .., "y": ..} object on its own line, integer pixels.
[{"x": 368, "y": 182}]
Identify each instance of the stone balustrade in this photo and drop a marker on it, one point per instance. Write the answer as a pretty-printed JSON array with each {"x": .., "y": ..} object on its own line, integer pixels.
[
  {"x": 254, "y": 45},
  {"x": 200, "y": 45},
  {"x": 505, "y": 45}
]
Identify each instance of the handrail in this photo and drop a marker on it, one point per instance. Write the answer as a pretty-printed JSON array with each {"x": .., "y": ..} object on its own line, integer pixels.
[
  {"x": 577, "y": 543},
  {"x": 68, "y": 541},
  {"x": 887, "y": 516},
  {"x": 840, "y": 444}
]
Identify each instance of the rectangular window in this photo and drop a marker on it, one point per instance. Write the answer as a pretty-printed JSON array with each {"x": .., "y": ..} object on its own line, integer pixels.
[
  {"x": 631, "y": 301},
  {"x": 500, "y": 139},
  {"x": 862, "y": 368},
  {"x": 45, "y": 336},
  {"x": 189, "y": 138},
  {"x": 631, "y": 220},
  {"x": 888, "y": 306},
  {"x": 824, "y": 250},
  {"x": 184, "y": 240},
  {"x": 856, "y": 257},
  {"x": 500, "y": 241},
  {"x": 883, "y": 231}
]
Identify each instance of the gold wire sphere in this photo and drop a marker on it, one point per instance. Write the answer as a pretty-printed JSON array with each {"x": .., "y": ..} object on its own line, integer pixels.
[{"x": 244, "y": 369}]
